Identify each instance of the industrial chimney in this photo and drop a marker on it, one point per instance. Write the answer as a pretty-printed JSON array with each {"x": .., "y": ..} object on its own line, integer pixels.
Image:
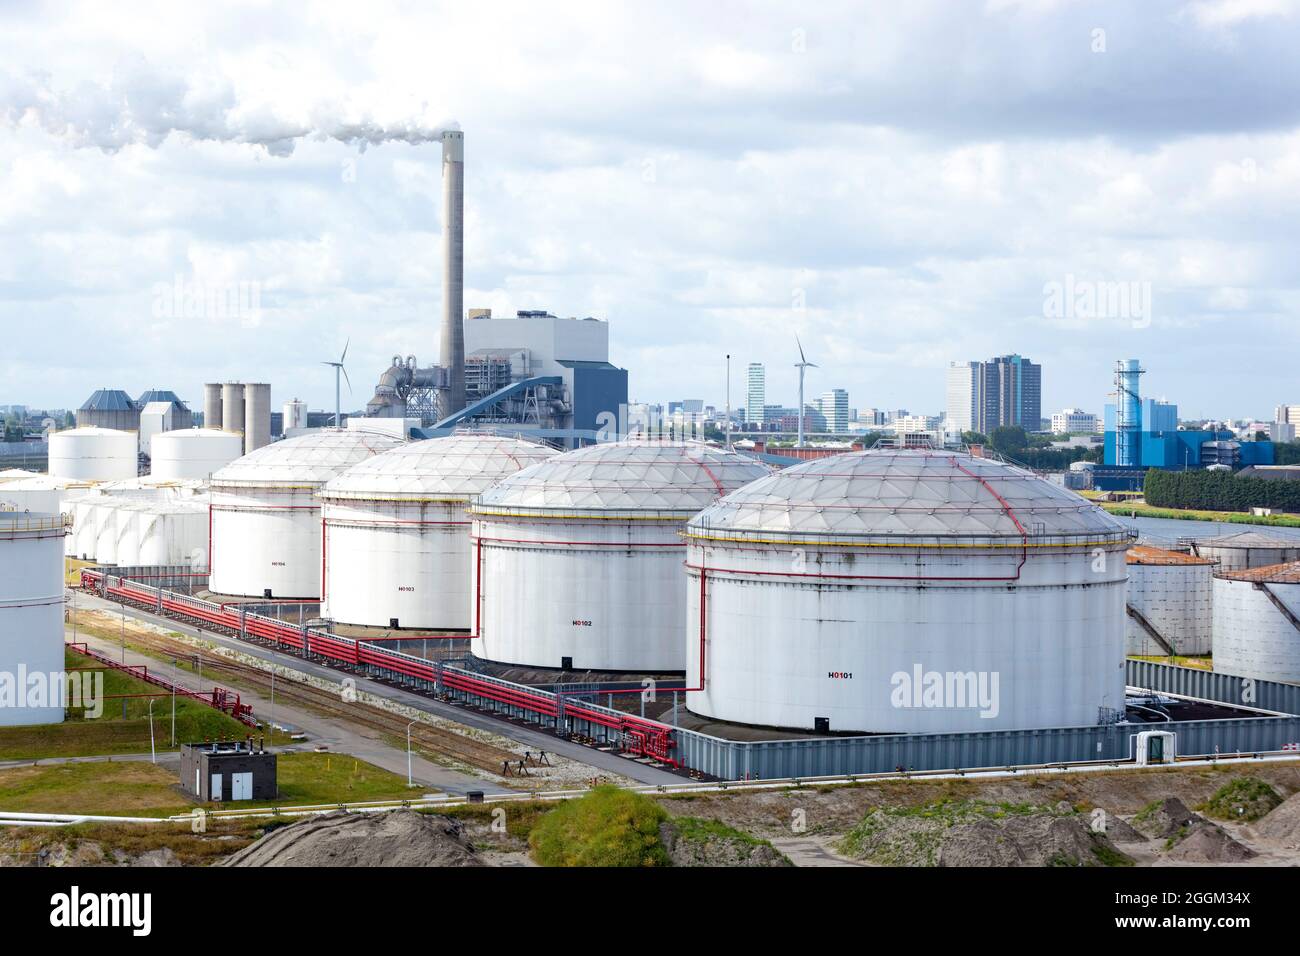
[{"x": 451, "y": 353}]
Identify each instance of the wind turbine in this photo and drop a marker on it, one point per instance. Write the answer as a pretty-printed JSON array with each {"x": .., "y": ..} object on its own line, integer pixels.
[
  {"x": 802, "y": 364},
  {"x": 338, "y": 367}
]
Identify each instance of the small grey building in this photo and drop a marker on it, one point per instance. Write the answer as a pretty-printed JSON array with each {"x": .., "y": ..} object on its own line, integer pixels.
[{"x": 229, "y": 770}]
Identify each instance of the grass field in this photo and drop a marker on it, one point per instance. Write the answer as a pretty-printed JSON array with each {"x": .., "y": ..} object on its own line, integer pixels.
[
  {"x": 110, "y": 733},
  {"x": 1201, "y": 663},
  {"x": 1141, "y": 510},
  {"x": 142, "y": 789}
]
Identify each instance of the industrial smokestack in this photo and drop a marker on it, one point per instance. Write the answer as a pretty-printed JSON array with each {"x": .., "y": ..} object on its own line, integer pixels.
[{"x": 452, "y": 345}]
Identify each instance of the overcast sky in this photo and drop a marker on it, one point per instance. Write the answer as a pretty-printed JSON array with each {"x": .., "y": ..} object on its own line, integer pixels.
[{"x": 900, "y": 184}]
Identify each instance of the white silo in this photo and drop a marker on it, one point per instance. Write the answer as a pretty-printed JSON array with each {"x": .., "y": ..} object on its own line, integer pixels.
[
  {"x": 905, "y": 590},
  {"x": 232, "y": 407},
  {"x": 93, "y": 454},
  {"x": 396, "y": 529},
  {"x": 266, "y": 526},
  {"x": 577, "y": 561},
  {"x": 294, "y": 414},
  {"x": 257, "y": 416},
  {"x": 1248, "y": 549},
  {"x": 194, "y": 452},
  {"x": 1257, "y": 622},
  {"x": 1170, "y": 603},
  {"x": 31, "y": 615}
]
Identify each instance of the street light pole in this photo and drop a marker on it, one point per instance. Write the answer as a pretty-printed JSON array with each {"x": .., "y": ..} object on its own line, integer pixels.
[
  {"x": 153, "y": 753},
  {"x": 409, "y": 781},
  {"x": 175, "y": 677}
]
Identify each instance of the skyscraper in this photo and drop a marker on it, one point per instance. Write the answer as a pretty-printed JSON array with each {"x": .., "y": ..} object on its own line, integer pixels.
[
  {"x": 982, "y": 396},
  {"x": 757, "y": 393},
  {"x": 835, "y": 407}
]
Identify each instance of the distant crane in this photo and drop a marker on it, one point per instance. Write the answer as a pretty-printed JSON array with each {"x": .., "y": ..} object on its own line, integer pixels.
[
  {"x": 801, "y": 365},
  {"x": 338, "y": 368}
]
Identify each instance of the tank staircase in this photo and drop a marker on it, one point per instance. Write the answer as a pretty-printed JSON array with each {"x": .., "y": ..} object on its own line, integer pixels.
[
  {"x": 1150, "y": 629},
  {"x": 1277, "y": 603}
]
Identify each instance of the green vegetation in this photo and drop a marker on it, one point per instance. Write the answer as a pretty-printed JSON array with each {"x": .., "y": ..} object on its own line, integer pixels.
[
  {"x": 307, "y": 779},
  {"x": 702, "y": 830},
  {"x": 1138, "y": 510},
  {"x": 112, "y": 733},
  {"x": 139, "y": 788},
  {"x": 1244, "y": 799},
  {"x": 1218, "y": 491},
  {"x": 607, "y": 827}
]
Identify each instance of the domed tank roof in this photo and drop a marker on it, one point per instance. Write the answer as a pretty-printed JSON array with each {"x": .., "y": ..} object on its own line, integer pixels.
[
  {"x": 907, "y": 492},
  {"x": 456, "y": 467},
  {"x": 313, "y": 458},
  {"x": 625, "y": 476}
]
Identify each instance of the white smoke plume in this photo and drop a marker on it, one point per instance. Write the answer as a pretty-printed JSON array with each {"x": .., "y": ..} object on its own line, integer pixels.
[{"x": 141, "y": 105}]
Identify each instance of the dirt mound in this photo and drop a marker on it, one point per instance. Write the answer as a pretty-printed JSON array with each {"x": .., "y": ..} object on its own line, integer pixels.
[
  {"x": 1282, "y": 825},
  {"x": 970, "y": 833},
  {"x": 395, "y": 838},
  {"x": 1164, "y": 818},
  {"x": 1118, "y": 830},
  {"x": 690, "y": 844},
  {"x": 1205, "y": 842}
]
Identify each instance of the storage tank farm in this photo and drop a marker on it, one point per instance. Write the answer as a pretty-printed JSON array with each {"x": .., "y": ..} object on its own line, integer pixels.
[
  {"x": 905, "y": 590},
  {"x": 577, "y": 561},
  {"x": 1257, "y": 622},
  {"x": 31, "y": 610},
  {"x": 397, "y": 534},
  {"x": 1171, "y": 600},
  {"x": 266, "y": 518}
]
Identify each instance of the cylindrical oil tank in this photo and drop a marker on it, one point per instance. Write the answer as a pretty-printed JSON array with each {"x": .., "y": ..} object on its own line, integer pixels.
[
  {"x": 295, "y": 415},
  {"x": 93, "y": 454},
  {"x": 257, "y": 416},
  {"x": 105, "y": 517},
  {"x": 577, "y": 561},
  {"x": 1248, "y": 549},
  {"x": 1257, "y": 622},
  {"x": 31, "y": 614},
  {"x": 266, "y": 525},
  {"x": 84, "y": 527},
  {"x": 212, "y": 405},
  {"x": 1170, "y": 603},
  {"x": 194, "y": 453},
  {"x": 397, "y": 534},
  {"x": 126, "y": 518},
  {"x": 173, "y": 533},
  {"x": 232, "y": 407},
  {"x": 905, "y": 590},
  {"x": 39, "y": 493}
]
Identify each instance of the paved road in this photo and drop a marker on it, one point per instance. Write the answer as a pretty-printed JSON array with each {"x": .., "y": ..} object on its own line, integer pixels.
[{"x": 535, "y": 739}]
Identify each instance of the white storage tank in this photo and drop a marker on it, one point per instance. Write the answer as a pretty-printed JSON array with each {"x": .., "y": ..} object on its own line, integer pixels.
[
  {"x": 1170, "y": 603},
  {"x": 194, "y": 452},
  {"x": 397, "y": 533},
  {"x": 266, "y": 525},
  {"x": 1257, "y": 622},
  {"x": 905, "y": 590},
  {"x": 40, "y": 493},
  {"x": 93, "y": 454},
  {"x": 174, "y": 533},
  {"x": 126, "y": 519},
  {"x": 577, "y": 561},
  {"x": 105, "y": 518},
  {"x": 1248, "y": 549},
  {"x": 31, "y": 613}
]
